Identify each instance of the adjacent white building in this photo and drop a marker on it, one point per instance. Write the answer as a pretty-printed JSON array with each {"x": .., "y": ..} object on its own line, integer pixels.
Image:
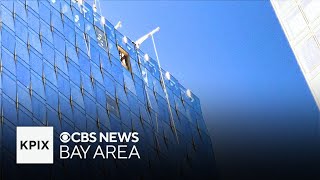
[{"x": 300, "y": 20}]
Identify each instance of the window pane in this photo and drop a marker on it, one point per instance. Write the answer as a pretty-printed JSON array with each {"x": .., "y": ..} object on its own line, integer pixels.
[
  {"x": 53, "y": 120},
  {"x": 74, "y": 74},
  {"x": 90, "y": 106},
  {"x": 8, "y": 61},
  {"x": 103, "y": 116},
  {"x": 78, "y": 19},
  {"x": 96, "y": 73},
  {"x": 49, "y": 55},
  {"x": 90, "y": 30},
  {"x": 56, "y": 21},
  {"x": 61, "y": 63},
  {"x": 81, "y": 42},
  {"x": 309, "y": 54},
  {"x": 7, "y": 18},
  {"x": 8, "y": 39},
  {"x": 294, "y": 23},
  {"x": 22, "y": 51},
  {"x": 65, "y": 107},
  {"x": 37, "y": 85},
  {"x": 71, "y": 52},
  {"x": 9, "y": 110},
  {"x": 24, "y": 98},
  {"x": 69, "y": 33},
  {"x": 35, "y": 41},
  {"x": 79, "y": 119},
  {"x": 20, "y": 10},
  {"x": 76, "y": 95},
  {"x": 46, "y": 31},
  {"x": 100, "y": 95},
  {"x": 63, "y": 85},
  {"x": 113, "y": 49},
  {"x": 129, "y": 82},
  {"x": 24, "y": 119},
  {"x": 311, "y": 9},
  {"x": 21, "y": 32},
  {"x": 49, "y": 73},
  {"x": 33, "y": 21},
  {"x": 52, "y": 97},
  {"x": 66, "y": 10},
  {"x": 84, "y": 63},
  {"x": 121, "y": 95},
  {"x": 59, "y": 42},
  {"x": 86, "y": 83},
  {"x": 112, "y": 106},
  {"x": 23, "y": 74},
  {"x": 39, "y": 112},
  {"x": 33, "y": 5},
  {"x": 109, "y": 84},
  {"x": 9, "y": 86},
  {"x": 36, "y": 63}
]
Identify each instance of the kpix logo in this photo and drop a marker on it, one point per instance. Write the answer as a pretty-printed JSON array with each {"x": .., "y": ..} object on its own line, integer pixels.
[{"x": 34, "y": 145}]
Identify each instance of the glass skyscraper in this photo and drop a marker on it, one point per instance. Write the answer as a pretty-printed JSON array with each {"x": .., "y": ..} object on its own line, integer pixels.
[
  {"x": 300, "y": 20},
  {"x": 64, "y": 65}
]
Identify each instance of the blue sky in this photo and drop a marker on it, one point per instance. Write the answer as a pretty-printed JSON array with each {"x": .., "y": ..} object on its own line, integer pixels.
[{"x": 234, "y": 56}]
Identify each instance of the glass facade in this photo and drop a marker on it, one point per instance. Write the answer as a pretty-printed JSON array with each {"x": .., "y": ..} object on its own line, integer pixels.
[
  {"x": 300, "y": 20},
  {"x": 60, "y": 66}
]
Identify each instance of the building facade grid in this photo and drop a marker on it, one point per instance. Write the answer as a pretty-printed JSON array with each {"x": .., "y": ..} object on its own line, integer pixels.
[{"x": 60, "y": 67}]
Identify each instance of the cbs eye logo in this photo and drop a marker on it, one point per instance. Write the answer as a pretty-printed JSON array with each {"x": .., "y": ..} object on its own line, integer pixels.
[
  {"x": 64, "y": 137},
  {"x": 34, "y": 145}
]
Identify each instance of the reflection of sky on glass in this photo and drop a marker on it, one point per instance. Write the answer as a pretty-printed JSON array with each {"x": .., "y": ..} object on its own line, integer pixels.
[{"x": 235, "y": 57}]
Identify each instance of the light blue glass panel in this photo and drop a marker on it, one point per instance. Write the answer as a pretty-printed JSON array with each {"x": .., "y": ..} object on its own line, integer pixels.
[
  {"x": 21, "y": 32},
  {"x": 66, "y": 10},
  {"x": 76, "y": 95},
  {"x": 96, "y": 73},
  {"x": 84, "y": 63},
  {"x": 46, "y": 31},
  {"x": 33, "y": 5},
  {"x": 45, "y": 12},
  {"x": 65, "y": 107},
  {"x": 100, "y": 95},
  {"x": 74, "y": 74},
  {"x": 8, "y": 62},
  {"x": 8, "y": 39},
  {"x": 109, "y": 84},
  {"x": 36, "y": 63},
  {"x": 9, "y": 110},
  {"x": 90, "y": 106},
  {"x": 24, "y": 97},
  {"x": 23, "y": 73},
  {"x": 61, "y": 63},
  {"x": 78, "y": 19},
  {"x": 87, "y": 84},
  {"x": 49, "y": 73},
  {"x": 7, "y": 18},
  {"x": 63, "y": 85},
  {"x": 33, "y": 21},
  {"x": 69, "y": 33},
  {"x": 79, "y": 119},
  {"x": 34, "y": 40},
  {"x": 56, "y": 21},
  {"x": 49, "y": 55},
  {"x": 52, "y": 96},
  {"x": 20, "y": 10},
  {"x": 37, "y": 85},
  {"x": 9, "y": 86},
  {"x": 71, "y": 52},
  {"x": 22, "y": 51},
  {"x": 59, "y": 42}
]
